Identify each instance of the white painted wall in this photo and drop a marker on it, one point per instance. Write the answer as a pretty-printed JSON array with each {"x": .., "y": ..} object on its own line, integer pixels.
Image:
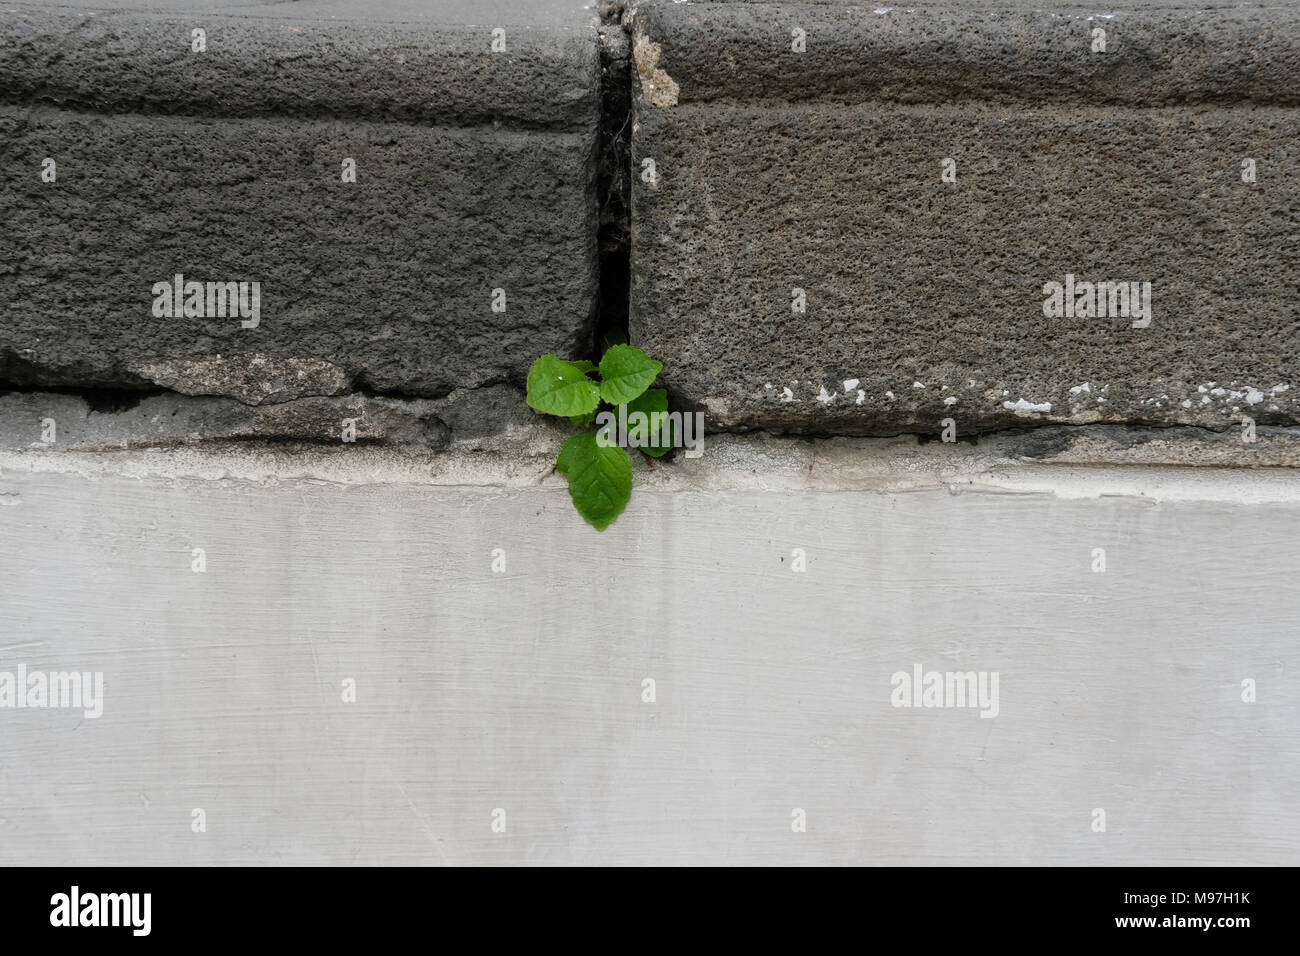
[{"x": 523, "y": 690}]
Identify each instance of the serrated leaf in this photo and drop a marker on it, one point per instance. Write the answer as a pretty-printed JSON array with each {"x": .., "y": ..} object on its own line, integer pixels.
[
  {"x": 556, "y": 387},
  {"x": 600, "y": 478},
  {"x": 627, "y": 372},
  {"x": 652, "y": 402}
]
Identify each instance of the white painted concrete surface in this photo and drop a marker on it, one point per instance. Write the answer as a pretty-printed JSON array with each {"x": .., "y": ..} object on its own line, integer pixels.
[{"x": 522, "y": 690}]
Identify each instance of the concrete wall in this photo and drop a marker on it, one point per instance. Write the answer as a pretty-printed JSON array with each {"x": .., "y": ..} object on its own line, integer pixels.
[
  {"x": 522, "y": 690},
  {"x": 408, "y": 648}
]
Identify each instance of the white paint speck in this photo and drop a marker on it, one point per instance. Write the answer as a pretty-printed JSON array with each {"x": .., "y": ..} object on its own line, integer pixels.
[
  {"x": 862, "y": 397},
  {"x": 950, "y": 400},
  {"x": 787, "y": 395},
  {"x": 1026, "y": 409},
  {"x": 917, "y": 385},
  {"x": 850, "y": 384},
  {"x": 1085, "y": 387},
  {"x": 889, "y": 395},
  {"x": 825, "y": 397}
]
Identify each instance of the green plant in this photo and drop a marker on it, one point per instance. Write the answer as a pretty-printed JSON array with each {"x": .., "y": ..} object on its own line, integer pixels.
[{"x": 598, "y": 470}]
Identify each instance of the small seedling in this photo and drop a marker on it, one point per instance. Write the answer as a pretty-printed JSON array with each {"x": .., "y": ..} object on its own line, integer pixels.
[{"x": 599, "y": 470}]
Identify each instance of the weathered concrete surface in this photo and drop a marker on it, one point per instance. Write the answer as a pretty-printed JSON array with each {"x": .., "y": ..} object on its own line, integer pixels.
[
  {"x": 523, "y": 690},
  {"x": 475, "y": 171},
  {"x": 821, "y": 171},
  {"x": 91, "y": 421},
  {"x": 1158, "y": 52},
  {"x": 495, "y": 422}
]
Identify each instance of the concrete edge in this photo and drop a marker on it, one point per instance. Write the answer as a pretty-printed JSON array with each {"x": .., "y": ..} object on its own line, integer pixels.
[
  {"x": 1159, "y": 469},
  {"x": 138, "y": 62},
  {"x": 947, "y": 51}
]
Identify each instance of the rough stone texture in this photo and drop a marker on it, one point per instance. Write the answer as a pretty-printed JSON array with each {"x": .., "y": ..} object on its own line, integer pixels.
[
  {"x": 1158, "y": 52},
  {"x": 475, "y": 171},
  {"x": 822, "y": 172}
]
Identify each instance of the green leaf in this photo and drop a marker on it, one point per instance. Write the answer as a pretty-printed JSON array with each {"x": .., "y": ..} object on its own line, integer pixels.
[
  {"x": 583, "y": 421},
  {"x": 556, "y": 387},
  {"x": 584, "y": 365},
  {"x": 600, "y": 478},
  {"x": 652, "y": 402},
  {"x": 627, "y": 372}
]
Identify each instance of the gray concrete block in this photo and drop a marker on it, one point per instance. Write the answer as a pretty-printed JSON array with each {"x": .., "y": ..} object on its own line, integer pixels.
[
  {"x": 383, "y": 59},
  {"x": 475, "y": 171},
  {"x": 1157, "y": 52},
  {"x": 924, "y": 299}
]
